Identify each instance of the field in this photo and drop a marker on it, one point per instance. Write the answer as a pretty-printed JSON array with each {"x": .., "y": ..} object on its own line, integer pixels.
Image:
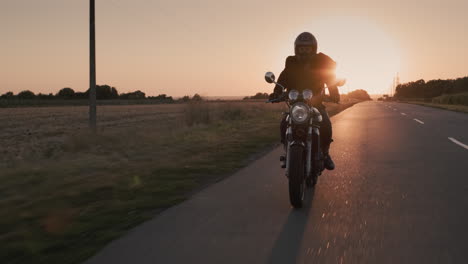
[{"x": 65, "y": 192}]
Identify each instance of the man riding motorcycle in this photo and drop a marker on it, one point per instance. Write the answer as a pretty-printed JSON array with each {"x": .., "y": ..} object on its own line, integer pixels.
[{"x": 310, "y": 70}]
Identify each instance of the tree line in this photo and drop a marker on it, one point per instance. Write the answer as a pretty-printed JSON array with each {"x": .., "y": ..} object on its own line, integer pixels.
[
  {"x": 357, "y": 94},
  {"x": 432, "y": 88},
  {"x": 257, "y": 96},
  {"x": 103, "y": 92}
]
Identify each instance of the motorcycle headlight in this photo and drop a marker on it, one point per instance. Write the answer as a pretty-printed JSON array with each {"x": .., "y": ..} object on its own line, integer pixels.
[
  {"x": 300, "y": 112},
  {"x": 293, "y": 95},
  {"x": 307, "y": 94}
]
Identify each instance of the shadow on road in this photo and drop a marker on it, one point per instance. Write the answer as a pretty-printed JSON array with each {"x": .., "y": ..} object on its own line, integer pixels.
[{"x": 287, "y": 246}]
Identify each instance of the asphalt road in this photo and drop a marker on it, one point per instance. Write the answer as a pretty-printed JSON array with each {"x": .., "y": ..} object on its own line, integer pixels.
[{"x": 399, "y": 194}]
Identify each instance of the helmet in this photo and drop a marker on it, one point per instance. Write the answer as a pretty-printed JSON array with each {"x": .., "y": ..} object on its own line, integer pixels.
[{"x": 305, "y": 39}]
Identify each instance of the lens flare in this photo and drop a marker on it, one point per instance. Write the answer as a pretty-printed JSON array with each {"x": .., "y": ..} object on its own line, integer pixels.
[{"x": 366, "y": 56}]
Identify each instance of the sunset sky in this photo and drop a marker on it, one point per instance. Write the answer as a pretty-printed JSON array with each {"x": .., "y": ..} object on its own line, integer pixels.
[{"x": 223, "y": 48}]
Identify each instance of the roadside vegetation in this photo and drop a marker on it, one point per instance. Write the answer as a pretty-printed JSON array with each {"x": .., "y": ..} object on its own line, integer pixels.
[
  {"x": 258, "y": 95},
  {"x": 65, "y": 193},
  {"x": 360, "y": 94},
  {"x": 451, "y": 107},
  {"x": 447, "y": 94},
  {"x": 105, "y": 94}
]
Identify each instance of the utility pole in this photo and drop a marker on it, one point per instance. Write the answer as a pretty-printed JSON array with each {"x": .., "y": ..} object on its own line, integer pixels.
[
  {"x": 92, "y": 67},
  {"x": 396, "y": 82}
]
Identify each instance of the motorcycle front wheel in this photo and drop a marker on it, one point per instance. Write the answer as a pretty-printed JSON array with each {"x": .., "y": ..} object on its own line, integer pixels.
[{"x": 296, "y": 176}]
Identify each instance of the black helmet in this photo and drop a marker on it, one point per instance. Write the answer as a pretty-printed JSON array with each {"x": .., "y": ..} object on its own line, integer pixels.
[{"x": 305, "y": 39}]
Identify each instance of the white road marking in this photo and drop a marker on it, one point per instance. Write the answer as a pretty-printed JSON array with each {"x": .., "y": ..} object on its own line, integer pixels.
[
  {"x": 394, "y": 109},
  {"x": 402, "y": 113},
  {"x": 419, "y": 121},
  {"x": 458, "y": 143}
]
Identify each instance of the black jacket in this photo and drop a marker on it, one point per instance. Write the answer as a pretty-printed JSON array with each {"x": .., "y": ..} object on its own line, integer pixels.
[{"x": 312, "y": 74}]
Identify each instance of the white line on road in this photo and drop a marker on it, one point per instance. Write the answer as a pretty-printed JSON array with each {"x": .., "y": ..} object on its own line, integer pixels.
[
  {"x": 419, "y": 121},
  {"x": 394, "y": 109},
  {"x": 458, "y": 143},
  {"x": 402, "y": 113}
]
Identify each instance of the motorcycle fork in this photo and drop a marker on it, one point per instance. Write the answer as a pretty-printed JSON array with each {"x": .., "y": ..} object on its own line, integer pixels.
[
  {"x": 309, "y": 151},
  {"x": 307, "y": 146},
  {"x": 317, "y": 159},
  {"x": 289, "y": 141}
]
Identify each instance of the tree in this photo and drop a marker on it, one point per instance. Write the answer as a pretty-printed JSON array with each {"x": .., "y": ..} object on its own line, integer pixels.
[
  {"x": 66, "y": 93},
  {"x": 162, "y": 97},
  {"x": 359, "y": 94},
  {"x": 81, "y": 95},
  {"x": 197, "y": 98},
  {"x": 104, "y": 92},
  {"x": 432, "y": 88},
  {"x": 133, "y": 95},
  {"x": 26, "y": 95},
  {"x": 45, "y": 96},
  {"x": 138, "y": 95},
  {"x": 7, "y": 95},
  {"x": 114, "y": 93}
]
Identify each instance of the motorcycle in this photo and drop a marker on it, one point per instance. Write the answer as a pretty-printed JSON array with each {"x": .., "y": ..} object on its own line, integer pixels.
[{"x": 304, "y": 159}]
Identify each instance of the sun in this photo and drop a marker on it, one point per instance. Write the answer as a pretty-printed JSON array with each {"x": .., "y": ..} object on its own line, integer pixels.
[{"x": 366, "y": 56}]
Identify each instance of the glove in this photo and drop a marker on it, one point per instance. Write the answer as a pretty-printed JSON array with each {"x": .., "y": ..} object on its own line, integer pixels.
[
  {"x": 335, "y": 98},
  {"x": 334, "y": 95},
  {"x": 272, "y": 96}
]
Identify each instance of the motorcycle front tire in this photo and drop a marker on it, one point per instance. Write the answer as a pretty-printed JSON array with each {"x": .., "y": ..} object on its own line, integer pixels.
[{"x": 296, "y": 176}]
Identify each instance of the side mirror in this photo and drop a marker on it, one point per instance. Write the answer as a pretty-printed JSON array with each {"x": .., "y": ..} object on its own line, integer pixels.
[
  {"x": 270, "y": 77},
  {"x": 341, "y": 82}
]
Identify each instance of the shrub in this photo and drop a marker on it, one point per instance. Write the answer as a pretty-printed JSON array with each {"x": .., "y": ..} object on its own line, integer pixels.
[
  {"x": 66, "y": 93},
  {"x": 454, "y": 99},
  {"x": 26, "y": 95}
]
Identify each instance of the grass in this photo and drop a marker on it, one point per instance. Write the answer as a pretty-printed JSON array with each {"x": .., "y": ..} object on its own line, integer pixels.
[
  {"x": 453, "y": 102},
  {"x": 66, "y": 193},
  {"x": 451, "y": 107},
  {"x": 452, "y": 99}
]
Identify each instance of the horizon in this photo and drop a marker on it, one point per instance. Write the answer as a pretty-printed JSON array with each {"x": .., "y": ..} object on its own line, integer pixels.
[{"x": 175, "y": 97}]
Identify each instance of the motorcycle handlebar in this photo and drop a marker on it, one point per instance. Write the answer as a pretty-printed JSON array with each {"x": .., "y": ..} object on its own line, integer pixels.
[
  {"x": 274, "y": 101},
  {"x": 281, "y": 98}
]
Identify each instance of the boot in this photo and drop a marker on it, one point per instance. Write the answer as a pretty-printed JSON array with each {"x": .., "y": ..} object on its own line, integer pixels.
[
  {"x": 283, "y": 161},
  {"x": 327, "y": 160}
]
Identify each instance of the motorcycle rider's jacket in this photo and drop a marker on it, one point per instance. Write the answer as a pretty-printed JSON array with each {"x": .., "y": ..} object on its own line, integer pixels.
[{"x": 312, "y": 73}]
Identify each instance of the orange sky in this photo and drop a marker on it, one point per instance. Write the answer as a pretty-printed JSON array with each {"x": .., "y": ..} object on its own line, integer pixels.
[{"x": 220, "y": 48}]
